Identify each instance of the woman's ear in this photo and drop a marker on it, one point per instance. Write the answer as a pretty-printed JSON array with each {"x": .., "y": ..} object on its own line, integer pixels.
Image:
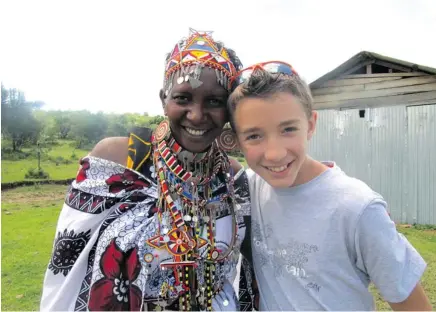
[{"x": 163, "y": 97}]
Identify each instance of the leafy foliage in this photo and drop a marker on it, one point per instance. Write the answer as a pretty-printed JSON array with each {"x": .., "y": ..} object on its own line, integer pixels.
[
  {"x": 18, "y": 124},
  {"x": 36, "y": 173},
  {"x": 25, "y": 124}
]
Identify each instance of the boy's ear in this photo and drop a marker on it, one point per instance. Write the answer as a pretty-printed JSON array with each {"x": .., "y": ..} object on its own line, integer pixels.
[{"x": 312, "y": 124}]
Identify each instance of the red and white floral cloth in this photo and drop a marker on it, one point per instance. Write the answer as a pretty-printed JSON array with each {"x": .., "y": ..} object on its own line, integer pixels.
[{"x": 100, "y": 258}]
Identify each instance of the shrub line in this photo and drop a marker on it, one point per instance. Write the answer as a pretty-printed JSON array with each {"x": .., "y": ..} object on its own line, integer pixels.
[{"x": 12, "y": 185}]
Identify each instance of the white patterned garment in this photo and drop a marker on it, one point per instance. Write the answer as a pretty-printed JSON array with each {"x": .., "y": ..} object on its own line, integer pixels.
[{"x": 100, "y": 257}]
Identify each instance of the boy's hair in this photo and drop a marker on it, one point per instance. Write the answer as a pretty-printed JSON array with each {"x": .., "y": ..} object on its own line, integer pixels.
[{"x": 263, "y": 84}]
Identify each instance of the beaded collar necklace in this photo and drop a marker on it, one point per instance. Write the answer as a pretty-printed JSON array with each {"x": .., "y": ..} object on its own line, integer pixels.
[{"x": 187, "y": 210}]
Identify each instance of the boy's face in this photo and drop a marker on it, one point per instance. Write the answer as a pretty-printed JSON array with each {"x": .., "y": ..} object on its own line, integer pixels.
[{"x": 273, "y": 133}]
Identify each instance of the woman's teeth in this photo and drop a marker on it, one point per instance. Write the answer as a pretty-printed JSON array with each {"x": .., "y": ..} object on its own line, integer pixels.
[
  {"x": 195, "y": 132},
  {"x": 278, "y": 169}
]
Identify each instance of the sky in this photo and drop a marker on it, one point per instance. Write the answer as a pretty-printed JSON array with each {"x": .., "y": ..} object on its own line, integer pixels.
[{"x": 109, "y": 55}]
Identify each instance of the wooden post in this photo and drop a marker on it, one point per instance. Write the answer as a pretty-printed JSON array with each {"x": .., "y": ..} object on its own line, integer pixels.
[{"x": 39, "y": 157}]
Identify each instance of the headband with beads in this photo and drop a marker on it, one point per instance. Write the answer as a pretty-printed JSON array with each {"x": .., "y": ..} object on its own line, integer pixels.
[{"x": 190, "y": 56}]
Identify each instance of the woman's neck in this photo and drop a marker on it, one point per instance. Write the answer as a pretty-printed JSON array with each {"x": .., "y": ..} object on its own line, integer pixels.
[{"x": 187, "y": 156}]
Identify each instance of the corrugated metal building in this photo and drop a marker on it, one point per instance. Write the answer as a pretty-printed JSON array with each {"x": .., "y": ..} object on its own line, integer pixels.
[{"x": 377, "y": 120}]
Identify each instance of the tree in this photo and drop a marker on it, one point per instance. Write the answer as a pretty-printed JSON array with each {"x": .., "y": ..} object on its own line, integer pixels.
[
  {"x": 118, "y": 125},
  {"x": 62, "y": 124},
  {"x": 17, "y": 121},
  {"x": 154, "y": 121},
  {"x": 88, "y": 128}
]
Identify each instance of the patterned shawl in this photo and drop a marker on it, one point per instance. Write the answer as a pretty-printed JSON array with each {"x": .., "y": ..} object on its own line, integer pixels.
[{"x": 99, "y": 260}]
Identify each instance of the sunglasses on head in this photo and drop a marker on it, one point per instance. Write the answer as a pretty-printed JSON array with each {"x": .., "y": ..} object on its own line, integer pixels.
[{"x": 272, "y": 67}]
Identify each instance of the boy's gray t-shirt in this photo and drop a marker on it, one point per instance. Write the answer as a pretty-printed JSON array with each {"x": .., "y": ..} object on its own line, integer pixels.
[{"x": 318, "y": 245}]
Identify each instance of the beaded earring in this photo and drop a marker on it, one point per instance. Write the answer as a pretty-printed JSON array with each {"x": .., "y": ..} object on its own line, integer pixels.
[
  {"x": 162, "y": 131},
  {"x": 227, "y": 140}
]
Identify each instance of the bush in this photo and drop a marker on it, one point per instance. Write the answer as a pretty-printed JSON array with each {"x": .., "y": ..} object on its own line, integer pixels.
[
  {"x": 51, "y": 142},
  {"x": 82, "y": 145},
  {"x": 35, "y": 173},
  {"x": 9, "y": 154},
  {"x": 59, "y": 160},
  {"x": 429, "y": 227}
]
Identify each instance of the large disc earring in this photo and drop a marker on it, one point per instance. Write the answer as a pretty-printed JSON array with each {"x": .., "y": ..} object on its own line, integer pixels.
[
  {"x": 227, "y": 140},
  {"x": 162, "y": 131}
]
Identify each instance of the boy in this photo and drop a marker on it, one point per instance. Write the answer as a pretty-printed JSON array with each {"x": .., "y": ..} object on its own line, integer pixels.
[{"x": 319, "y": 237}]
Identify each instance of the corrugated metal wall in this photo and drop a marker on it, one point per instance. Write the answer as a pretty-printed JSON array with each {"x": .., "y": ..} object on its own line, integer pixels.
[{"x": 392, "y": 149}]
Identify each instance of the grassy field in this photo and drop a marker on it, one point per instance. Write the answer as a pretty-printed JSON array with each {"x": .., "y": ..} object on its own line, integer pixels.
[
  {"x": 60, "y": 162},
  {"x": 29, "y": 217},
  {"x": 425, "y": 242}
]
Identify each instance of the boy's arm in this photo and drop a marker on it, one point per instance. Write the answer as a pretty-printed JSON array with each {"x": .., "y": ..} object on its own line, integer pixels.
[
  {"x": 417, "y": 301},
  {"x": 391, "y": 262}
]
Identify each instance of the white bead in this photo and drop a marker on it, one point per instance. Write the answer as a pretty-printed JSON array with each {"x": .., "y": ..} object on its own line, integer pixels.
[{"x": 187, "y": 218}]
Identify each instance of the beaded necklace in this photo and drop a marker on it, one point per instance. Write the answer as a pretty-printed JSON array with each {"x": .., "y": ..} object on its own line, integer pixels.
[{"x": 187, "y": 212}]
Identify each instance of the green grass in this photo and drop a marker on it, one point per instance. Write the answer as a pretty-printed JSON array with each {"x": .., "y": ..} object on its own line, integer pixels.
[
  {"x": 425, "y": 242},
  {"x": 14, "y": 170},
  {"x": 29, "y": 216}
]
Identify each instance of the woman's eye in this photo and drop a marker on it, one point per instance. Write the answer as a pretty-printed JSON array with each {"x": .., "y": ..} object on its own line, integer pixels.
[
  {"x": 216, "y": 103},
  {"x": 181, "y": 99}
]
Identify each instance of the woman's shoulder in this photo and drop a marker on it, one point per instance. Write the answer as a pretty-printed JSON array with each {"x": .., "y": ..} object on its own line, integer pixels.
[{"x": 112, "y": 148}]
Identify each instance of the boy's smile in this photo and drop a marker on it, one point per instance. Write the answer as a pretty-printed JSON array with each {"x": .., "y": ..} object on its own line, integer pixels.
[{"x": 279, "y": 169}]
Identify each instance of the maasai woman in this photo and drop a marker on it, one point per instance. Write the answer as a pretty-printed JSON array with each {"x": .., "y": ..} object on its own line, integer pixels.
[{"x": 155, "y": 220}]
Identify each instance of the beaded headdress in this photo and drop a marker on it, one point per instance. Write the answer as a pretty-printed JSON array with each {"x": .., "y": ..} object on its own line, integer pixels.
[{"x": 191, "y": 55}]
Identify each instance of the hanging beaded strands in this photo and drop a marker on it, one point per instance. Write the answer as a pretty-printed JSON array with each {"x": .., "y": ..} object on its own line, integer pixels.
[{"x": 193, "y": 193}]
